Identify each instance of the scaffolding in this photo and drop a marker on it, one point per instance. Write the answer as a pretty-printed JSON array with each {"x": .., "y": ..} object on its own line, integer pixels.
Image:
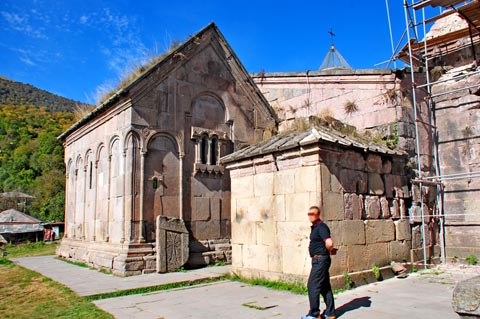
[{"x": 418, "y": 52}]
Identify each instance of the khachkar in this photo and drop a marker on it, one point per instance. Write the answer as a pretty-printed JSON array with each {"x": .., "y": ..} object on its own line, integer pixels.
[{"x": 172, "y": 244}]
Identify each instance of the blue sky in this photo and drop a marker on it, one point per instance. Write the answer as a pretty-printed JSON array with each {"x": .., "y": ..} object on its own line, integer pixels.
[{"x": 77, "y": 48}]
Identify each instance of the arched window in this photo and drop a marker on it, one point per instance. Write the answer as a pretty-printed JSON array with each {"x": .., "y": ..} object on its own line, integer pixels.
[
  {"x": 204, "y": 149},
  {"x": 213, "y": 150},
  {"x": 90, "y": 176}
]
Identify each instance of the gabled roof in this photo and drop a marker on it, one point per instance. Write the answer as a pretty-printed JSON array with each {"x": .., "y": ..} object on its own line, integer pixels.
[
  {"x": 315, "y": 134},
  {"x": 334, "y": 60},
  {"x": 18, "y": 195},
  {"x": 14, "y": 216},
  {"x": 232, "y": 60}
]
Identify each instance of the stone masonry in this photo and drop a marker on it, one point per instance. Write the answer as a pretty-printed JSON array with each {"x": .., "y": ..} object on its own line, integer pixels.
[
  {"x": 274, "y": 183},
  {"x": 153, "y": 149}
]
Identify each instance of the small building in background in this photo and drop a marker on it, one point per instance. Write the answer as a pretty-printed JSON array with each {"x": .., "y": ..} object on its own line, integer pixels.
[
  {"x": 17, "y": 200},
  {"x": 17, "y": 227}
]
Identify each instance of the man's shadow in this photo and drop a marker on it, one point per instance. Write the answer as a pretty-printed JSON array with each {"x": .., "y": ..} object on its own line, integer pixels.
[{"x": 353, "y": 305}]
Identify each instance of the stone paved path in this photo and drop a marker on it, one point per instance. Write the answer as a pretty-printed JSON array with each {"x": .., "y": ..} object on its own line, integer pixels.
[
  {"x": 85, "y": 281},
  {"x": 425, "y": 295},
  {"x": 419, "y": 296}
]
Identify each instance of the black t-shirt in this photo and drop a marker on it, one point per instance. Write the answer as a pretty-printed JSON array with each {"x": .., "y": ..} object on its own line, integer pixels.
[{"x": 320, "y": 232}]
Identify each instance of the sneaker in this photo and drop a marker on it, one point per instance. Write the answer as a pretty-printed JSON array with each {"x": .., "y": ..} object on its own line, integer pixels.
[
  {"x": 333, "y": 317},
  {"x": 309, "y": 317}
]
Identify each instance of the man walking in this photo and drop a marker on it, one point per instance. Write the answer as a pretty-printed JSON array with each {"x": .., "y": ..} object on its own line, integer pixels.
[{"x": 320, "y": 249}]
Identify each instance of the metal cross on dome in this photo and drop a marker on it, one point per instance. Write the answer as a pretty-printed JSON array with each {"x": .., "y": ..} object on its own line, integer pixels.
[{"x": 331, "y": 34}]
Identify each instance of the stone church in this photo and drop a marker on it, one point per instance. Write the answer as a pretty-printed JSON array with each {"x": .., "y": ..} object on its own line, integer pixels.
[{"x": 153, "y": 149}]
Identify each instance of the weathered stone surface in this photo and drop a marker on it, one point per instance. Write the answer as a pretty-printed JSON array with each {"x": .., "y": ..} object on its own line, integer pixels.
[
  {"x": 417, "y": 236},
  {"x": 374, "y": 164},
  {"x": 399, "y": 250},
  {"x": 389, "y": 185},
  {"x": 263, "y": 184},
  {"x": 353, "y": 160},
  {"x": 353, "y": 181},
  {"x": 284, "y": 182},
  {"x": 385, "y": 206},
  {"x": 353, "y": 206},
  {"x": 416, "y": 194},
  {"x": 378, "y": 231},
  {"x": 395, "y": 208},
  {"x": 400, "y": 188},
  {"x": 330, "y": 181},
  {"x": 387, "y": 167},
  {"x": 201, "y": 207},
  {"x": 333, "y": 208},
  {"x": 466, "y": 297},
  {"x": 372, "y": 207},
  {"x": 375, "y": 184},
  {"x": 403, "y": 230},
  {"x": 357, "y": 258},
  {"x": 337, "y": 232},
  {"x": 353, "y": 232},
  {"x": 403, "y": 209},
  {"x": 307, "y": 179},
  {"x": 415, "y": 213},
  {"x": 172, "y": 244},
  {"x": 377, "y": 254}
]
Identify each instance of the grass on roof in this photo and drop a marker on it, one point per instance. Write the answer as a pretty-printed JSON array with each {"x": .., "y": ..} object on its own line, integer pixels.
[{"x": 136, "y": 72}]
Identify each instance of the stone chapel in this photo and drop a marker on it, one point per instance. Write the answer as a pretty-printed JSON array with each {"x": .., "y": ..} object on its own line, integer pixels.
[{"x": 153, "y": 149}]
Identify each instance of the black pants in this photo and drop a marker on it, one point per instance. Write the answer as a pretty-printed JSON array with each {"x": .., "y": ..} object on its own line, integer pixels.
[{"x": 319, "y": 284}]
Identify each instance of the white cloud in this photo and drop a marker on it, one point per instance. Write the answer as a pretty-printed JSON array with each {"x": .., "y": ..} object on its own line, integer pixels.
[
  {"x": 27, "y": 61},
  {"x": 21, "y": 23}
]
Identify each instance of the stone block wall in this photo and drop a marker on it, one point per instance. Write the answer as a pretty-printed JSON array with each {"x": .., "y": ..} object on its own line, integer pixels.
[
  {"x": 458, "y": 124},
  {"x": 364, "y": 199}
]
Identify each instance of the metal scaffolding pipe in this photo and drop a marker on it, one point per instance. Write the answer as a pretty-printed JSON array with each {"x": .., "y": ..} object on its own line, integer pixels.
[
  {"x": 391, "y": 33},
  {"x": 415, "y": 111},
  {"x": 446, "y": 80},
  {"x": 456, "y": 90},
  {"x": 451, "y": 175}
]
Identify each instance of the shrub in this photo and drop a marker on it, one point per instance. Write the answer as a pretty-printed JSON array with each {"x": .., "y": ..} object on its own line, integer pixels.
[{"x": 472, "y": 259}]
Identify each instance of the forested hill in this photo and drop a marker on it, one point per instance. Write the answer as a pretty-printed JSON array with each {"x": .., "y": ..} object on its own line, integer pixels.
[
  {"x": 17, "y": 93},
  {"x": 31, "y": 156}
]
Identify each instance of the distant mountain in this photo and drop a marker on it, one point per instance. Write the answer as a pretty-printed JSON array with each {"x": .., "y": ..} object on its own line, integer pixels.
[{"x": 17, "y": 93}]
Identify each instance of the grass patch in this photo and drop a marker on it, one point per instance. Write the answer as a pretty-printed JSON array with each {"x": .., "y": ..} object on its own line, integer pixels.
[
  {"x": 144, "y": 290},
  {"x": 436, "y": 273},
  {"x": 348, "y": 281},
  {"x": 84, "y": 265},
  {"x": 298, "y": 288},
  {"x": 253, "y": 305},
  {"x": 376, "y": 272},
  {"x": 75, "y": 263},
  {"x": 27, "y": 294},
  {"x": 350, "y": 107},
  {"x": 39, "y": 248},
  {"x": 472, "y": 259}
]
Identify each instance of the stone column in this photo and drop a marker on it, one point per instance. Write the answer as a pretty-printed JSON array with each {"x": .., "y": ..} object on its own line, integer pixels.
[
  {"x": 142, "y": 185},
  {"x": 84, "y": 229},
  {"x": 66, "y": 233},
  {"x": 122, "y": 235},
  {"x": 180, "y": 186},
  {"x": 95, "y": 203},
  {"x": 74, "y": 206},
  {"x": 209, "y": 152},
  {"x": 107, "y": 231},
  {"x": 217, "y": 155},
  {"x": 198, "y": 150}
]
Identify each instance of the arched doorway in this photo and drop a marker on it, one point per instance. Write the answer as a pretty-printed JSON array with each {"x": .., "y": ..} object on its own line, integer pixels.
[{"x": 161, "y": 181}]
